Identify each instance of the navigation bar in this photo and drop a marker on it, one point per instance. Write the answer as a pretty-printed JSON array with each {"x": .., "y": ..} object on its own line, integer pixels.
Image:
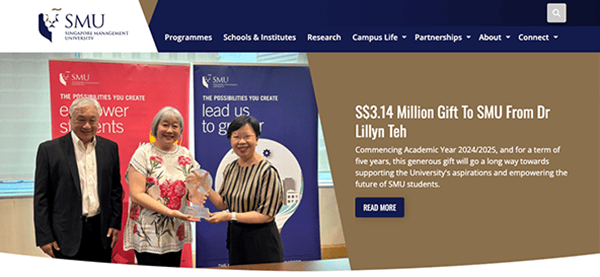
[{"x": 459, "y": 39}]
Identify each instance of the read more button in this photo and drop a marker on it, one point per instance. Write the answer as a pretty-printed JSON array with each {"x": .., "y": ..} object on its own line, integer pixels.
[{"x": 379, "y": 207}]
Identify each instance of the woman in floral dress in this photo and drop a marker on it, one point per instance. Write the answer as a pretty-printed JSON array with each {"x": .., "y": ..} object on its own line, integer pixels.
[{"x": 157, "y": 228}]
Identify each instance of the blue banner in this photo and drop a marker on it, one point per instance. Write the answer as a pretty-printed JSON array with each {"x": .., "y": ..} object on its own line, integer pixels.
[
  {"x": 282, "y": 99},
  {"x": 376, "y": 26}
]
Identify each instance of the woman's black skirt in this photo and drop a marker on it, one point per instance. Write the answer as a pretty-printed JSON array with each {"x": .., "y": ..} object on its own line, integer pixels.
[{"x": 254, "y": 243}]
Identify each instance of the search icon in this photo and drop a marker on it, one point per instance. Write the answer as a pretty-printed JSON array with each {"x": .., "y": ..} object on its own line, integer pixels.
[{"x": 556, "y": 13}]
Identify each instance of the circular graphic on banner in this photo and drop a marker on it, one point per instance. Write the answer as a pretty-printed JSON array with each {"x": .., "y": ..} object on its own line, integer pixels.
[{"x": 289, "y": 170}]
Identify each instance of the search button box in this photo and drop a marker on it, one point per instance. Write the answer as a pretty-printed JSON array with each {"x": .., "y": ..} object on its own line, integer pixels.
[{"x": 556, "y": 13}]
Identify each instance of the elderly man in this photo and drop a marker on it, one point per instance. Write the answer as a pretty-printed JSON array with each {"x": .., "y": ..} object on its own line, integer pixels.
[{"x": 78, "y": 193}]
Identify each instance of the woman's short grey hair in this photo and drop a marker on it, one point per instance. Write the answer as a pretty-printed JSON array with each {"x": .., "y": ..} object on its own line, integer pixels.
[
  {"x": 84, "y": 102},
  {"x": 166, "y": 112}
]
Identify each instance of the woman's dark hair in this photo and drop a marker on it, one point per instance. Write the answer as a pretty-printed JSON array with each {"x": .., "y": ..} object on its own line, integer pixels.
[{"x": 242, "y": 120}]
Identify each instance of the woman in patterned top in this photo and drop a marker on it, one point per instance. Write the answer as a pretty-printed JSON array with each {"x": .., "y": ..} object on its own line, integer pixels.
[
  {"x": 156, "y": 228},
  {"x": 253, "y": 193}
]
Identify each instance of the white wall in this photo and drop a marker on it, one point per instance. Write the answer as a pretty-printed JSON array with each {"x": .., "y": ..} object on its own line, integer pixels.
[
  {"x": 329, "y": 218},
  {"x": 16, "y": 227}
]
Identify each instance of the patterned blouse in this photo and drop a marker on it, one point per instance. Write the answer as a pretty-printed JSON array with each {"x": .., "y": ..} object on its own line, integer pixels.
[
  {"x": 149, "y": 231},
  {"x": 252, "y": 188}
]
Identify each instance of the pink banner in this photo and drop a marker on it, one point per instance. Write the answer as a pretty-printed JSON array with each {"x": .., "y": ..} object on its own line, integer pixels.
[{"x": 130, "y": 96}]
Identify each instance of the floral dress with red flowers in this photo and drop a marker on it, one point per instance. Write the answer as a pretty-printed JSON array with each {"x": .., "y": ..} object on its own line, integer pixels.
[{"x": 149, "y": 231}]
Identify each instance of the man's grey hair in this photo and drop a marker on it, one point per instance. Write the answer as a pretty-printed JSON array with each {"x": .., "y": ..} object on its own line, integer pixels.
[
  {"x": 84, "y": 102},
  {"x": 166, "y": 112}
]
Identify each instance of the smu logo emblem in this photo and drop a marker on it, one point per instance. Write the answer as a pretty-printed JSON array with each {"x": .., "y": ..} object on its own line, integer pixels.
[
  {"x": 75, "y": 79},
  {"x": 216, "y": 81},
  {"x": 64, "y": 77},
  {"x": 46, "y": 23},
  {"x": 206, "y": 81}
]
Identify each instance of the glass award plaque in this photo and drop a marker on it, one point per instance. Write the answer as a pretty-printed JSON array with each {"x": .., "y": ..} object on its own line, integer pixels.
[
  {"x": 197, "y": 211},
  {"x": 206, "y": 183}
]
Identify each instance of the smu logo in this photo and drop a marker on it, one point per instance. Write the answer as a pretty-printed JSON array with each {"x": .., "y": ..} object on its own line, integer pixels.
[
  {"x": 87, "y": 21},
  {"x": 48, "y": 22},
  {"x": 216, "y": 81},
  {"x": 77, "y": 79},
  {"x": 206, "y": 80},
  {"x": 64, "y": 77}
]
